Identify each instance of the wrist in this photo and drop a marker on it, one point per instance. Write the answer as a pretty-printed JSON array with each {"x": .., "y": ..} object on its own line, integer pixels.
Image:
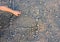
[{"x": 12, "y": 11}]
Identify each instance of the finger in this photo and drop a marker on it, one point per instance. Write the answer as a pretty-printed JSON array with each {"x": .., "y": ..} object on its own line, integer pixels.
[{"x": 18, "y": 14}]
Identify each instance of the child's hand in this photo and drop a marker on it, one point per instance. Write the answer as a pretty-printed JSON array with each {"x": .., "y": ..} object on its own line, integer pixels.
[
  {"x": 16, "y": 13},
  {"x": 4, "y": 8}
]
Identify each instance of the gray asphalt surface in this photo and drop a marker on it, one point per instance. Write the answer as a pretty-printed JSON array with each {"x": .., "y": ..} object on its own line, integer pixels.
[{"x": 39, "y": 22}]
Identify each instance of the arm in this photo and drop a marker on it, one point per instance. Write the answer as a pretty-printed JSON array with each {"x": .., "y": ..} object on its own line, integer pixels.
[{"x": 4, "y": 8}]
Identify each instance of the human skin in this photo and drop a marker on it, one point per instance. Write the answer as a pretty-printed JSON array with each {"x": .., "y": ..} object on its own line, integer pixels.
[{"x": 5, "y": 8}]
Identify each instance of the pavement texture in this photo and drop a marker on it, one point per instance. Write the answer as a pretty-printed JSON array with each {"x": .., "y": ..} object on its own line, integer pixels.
[{"x": 39, "y": 22}]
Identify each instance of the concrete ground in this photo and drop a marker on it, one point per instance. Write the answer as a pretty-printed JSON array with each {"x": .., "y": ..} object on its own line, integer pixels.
[{"x": 39, "y": 22}]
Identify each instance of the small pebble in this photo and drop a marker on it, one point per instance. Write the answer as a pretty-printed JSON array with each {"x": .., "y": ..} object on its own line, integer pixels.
[
  {"x": 52, "y": 36},
  {"x": 36, "y": 31},
  {"x": 56, "y": 16},
  {"x": 37, "y": 25},
  {"x": 36, "y": 19},
  {"x": 40, "y": 2},
  {"x": 34, "y": 35},
  {"x": 13, "y": 35},
  {"x": 25, "y": 15},
  {"x": 32, "y": 28},
  {"x": 23, "y": 35},
  {"x": 11, "y": 20},
  {"x": 38, "y": 16}
]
